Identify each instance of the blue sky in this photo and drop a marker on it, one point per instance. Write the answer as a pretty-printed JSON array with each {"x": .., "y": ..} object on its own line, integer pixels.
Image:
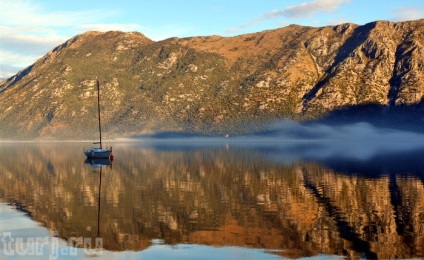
[{"x": 30, "y": 28}]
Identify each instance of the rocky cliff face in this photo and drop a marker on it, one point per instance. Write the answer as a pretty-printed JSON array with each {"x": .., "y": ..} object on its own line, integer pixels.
[{"x": 213, "y": 84}]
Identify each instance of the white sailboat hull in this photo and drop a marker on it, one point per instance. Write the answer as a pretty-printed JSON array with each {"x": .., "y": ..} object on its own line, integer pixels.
[{"x": 98, "y": 153}]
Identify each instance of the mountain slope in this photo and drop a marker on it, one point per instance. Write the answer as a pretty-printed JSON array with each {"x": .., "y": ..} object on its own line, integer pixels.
[{"x": 213, "y": 84}]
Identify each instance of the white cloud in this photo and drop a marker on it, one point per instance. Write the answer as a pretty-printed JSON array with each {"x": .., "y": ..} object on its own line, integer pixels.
[
  {"x": 21, "y": 46},
  {"x": 7, "y": 71},
  {"x": 21, "y": 13},
  {"x": 29, "y": 44},
  {"x": 407, "y": 14},
  {"x": 307, "y": 9},
  {"x": 311, "y": 8},
  {"x": 15, "y": 59},
  {"x": 28, "y": 30}
]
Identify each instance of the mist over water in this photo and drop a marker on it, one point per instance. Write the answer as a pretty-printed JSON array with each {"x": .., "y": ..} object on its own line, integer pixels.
[
  {"x": 356, "y": 148},
  {"x": 360, "y": 141},
  {"x": 360, "y": 131}
]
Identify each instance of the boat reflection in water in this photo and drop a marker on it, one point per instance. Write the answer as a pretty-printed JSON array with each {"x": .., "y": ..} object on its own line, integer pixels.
[
  {"x": 291, "y": 202},
  {"x": 98, "y": 163},
  {"x": 94, "y": 242}
]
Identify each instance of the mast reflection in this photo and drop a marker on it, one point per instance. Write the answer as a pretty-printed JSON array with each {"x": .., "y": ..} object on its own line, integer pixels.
[{"x": 97, "y": 165}]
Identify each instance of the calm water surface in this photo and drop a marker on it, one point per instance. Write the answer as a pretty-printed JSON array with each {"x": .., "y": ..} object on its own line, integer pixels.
[{"x": 227, "y": 201}]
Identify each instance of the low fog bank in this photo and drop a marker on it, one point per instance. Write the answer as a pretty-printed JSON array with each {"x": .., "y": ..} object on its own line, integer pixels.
[
  {"x": 360, "y": 131},
  {"x": 293, "y": 131},
  {"x": 291, "y": 141}
]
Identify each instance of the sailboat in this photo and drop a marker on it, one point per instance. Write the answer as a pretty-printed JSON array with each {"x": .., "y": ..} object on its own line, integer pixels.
[{"x": 99, "y": 152}]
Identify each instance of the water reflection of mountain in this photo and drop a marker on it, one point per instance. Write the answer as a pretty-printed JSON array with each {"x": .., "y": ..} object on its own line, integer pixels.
[
  {"x": 377, "y": 162},
  {"x": 216, "y": 196}
]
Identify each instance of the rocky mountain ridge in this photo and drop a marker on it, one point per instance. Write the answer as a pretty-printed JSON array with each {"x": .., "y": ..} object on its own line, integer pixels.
[{"x": 213, "y": 84}]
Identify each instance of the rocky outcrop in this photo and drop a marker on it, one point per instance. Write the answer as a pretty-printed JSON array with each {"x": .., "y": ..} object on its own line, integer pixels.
[{"x": 213, "y": 84}]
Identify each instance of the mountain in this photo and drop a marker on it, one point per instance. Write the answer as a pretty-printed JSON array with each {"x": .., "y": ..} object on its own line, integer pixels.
[{"x": 213, "y": 84}]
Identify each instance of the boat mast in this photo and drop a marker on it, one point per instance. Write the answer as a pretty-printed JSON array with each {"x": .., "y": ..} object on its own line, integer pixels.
[{"x": 98, "y": 109}]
